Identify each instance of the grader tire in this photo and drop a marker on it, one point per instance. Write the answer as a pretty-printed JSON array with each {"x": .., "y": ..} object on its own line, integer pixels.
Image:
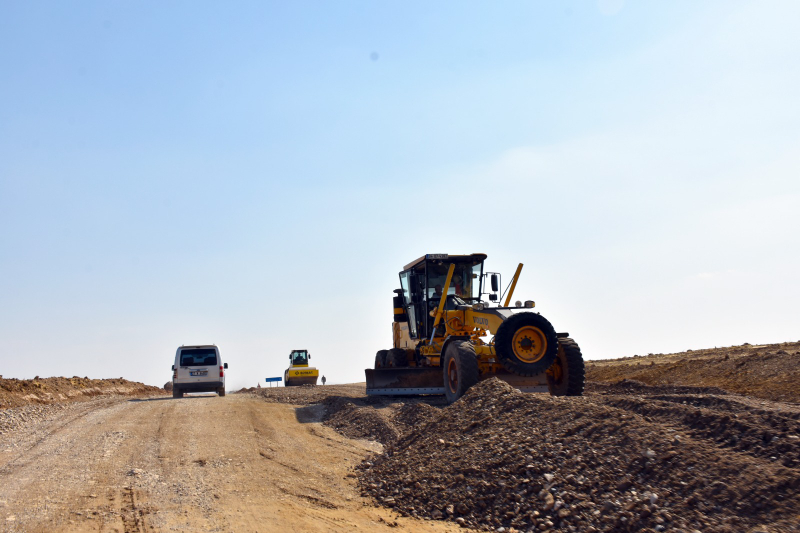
[
  {"x": 380, "y": 358},
  {"x": 396, "y": 358},
  {"x": 567, "y": 376},
  {"x": 526, "y": 344},
  {"x": 459, "y": 369}
]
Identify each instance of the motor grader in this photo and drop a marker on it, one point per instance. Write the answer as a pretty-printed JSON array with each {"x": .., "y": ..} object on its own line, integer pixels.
[{"x": 448, "y": 336}]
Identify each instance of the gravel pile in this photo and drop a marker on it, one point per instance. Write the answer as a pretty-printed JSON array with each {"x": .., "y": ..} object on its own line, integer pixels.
[
  {"x": 355, "y": 415},
  {"x": 384, "y": 422},
  {"x": 506, "y": 461}
]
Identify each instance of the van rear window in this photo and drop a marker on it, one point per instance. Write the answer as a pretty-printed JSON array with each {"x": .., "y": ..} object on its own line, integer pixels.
[{"x": 198, "y": 357}]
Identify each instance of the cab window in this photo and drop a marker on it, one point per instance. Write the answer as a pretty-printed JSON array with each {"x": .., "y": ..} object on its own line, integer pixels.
[{"x": 299, "y": 358}]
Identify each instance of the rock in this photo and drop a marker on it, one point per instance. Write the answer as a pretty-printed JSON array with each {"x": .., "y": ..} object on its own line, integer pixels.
[{"x": 549, "y": 502}]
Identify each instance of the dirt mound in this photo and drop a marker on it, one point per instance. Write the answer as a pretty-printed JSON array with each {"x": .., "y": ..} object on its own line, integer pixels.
[
  {"x": 20, "y": 392},
  {"x": 306, "y": 394},
  {"x": 630, "y": 386},
  {"x": 767, "y": 371},
  {"x": 611, "y": 462}
]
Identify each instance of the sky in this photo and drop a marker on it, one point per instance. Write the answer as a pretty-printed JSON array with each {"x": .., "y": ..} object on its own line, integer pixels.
[{"x": 255, "y": 174}]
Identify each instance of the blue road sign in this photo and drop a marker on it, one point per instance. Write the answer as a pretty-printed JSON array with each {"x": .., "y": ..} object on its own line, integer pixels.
[{"x": 273, "y": 379}]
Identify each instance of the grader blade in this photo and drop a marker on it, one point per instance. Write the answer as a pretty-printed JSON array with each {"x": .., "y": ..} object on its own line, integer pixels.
[{"x": 404, "y": 381}]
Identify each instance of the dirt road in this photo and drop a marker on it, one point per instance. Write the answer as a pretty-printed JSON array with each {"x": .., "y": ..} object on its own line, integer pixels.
[{"x": 196, "y": 464}]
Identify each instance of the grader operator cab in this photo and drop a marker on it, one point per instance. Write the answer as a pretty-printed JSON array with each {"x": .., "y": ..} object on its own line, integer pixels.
[
  {"x": 447, "y": 336},
  {"x": 299, "y": 373}
]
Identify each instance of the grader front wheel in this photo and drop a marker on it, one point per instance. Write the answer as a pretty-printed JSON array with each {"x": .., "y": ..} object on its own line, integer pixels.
[{"x": 460, "y": 369}]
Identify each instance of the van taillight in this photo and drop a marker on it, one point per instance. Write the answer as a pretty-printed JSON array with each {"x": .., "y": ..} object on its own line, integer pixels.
[
  {"x": 220, "y": 372},
  {"x": 175, "y": 374}
]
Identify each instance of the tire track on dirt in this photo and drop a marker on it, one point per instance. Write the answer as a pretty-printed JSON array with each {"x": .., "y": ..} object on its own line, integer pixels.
[{"x": 762, "y": 434}]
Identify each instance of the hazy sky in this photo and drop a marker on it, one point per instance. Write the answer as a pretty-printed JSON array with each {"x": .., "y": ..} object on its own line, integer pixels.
[{"x": 255, "y": 174}]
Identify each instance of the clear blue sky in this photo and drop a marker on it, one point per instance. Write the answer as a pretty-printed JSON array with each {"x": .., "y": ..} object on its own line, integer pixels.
[{"x": 255, "y": 174}]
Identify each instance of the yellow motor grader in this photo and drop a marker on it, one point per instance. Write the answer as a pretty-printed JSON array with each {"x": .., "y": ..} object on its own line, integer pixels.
[{"x": 447, "y": 337}]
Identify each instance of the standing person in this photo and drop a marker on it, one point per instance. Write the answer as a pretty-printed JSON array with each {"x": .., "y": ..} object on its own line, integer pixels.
[{"x": 323, "y": 380}]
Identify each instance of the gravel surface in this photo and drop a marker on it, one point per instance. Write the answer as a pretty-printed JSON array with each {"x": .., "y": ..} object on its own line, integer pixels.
[
  {"x": 625, "y": 457},
  {"x": 503, "y": 460},
  {"x": 199, "y": 463},
  {"x": 20, "y": 417}
]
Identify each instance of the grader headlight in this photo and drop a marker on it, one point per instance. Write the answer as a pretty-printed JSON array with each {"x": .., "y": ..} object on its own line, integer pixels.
[{"x": 530, "y": 304}]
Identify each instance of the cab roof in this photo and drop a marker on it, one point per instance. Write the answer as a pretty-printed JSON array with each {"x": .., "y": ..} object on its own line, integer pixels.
[{"x": 445, "y": 257}]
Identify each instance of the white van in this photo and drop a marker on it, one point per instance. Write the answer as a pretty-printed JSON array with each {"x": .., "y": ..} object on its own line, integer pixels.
[{"x": 198, "y": 369}]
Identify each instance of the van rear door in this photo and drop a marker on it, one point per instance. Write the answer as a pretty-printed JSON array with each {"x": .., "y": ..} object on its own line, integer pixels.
[{"x": 198, "y": 365}]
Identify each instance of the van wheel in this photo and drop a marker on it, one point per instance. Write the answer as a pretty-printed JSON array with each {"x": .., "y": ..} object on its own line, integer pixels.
[
  {"x": 221, "y": 391},
  {"x": 176, "y": 392}
]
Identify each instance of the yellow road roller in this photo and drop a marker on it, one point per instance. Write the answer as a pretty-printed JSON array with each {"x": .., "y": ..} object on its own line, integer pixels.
[
  {"x": 299, "y": 373},
  {"x": 450, "y": 331}
]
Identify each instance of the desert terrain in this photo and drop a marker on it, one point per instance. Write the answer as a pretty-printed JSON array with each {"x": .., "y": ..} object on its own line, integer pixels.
[{"x": 707, "y": 440}]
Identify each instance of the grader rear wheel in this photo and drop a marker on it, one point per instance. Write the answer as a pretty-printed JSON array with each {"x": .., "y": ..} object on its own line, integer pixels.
[
  {"x": 460, "y": 369},
  {"x": 526, "y": 344},
  {"x": 380, "y": 358},
  {"x": 567, "y": 375},
  {"x": 397, "y": 358}
]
